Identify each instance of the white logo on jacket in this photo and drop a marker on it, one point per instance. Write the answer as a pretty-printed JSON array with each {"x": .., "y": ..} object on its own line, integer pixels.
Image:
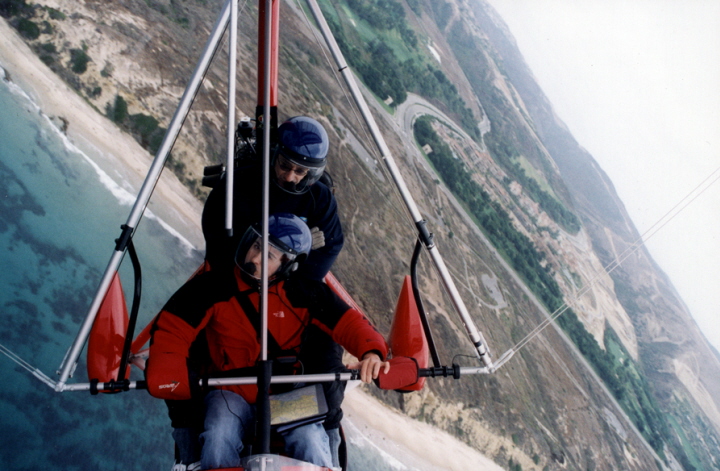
[
  {"x": 170, "y": 386},
  {"x": 280, "y": 314}
]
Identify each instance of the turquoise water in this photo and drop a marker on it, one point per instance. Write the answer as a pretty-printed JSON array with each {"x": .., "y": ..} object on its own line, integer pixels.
[{"x": 59, "y": 216}]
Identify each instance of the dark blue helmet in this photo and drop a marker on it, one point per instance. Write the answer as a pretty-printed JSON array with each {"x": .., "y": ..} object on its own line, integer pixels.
[
  {"x": 302, "y": 142},
  {"x": 288, "y": 234}
]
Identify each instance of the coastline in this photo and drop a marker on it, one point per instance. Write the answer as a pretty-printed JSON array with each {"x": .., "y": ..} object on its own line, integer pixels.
[
  {"x": 407, "y": 441},
  {"x": 404, "y": 439},
  {"x": 96, "y": 136}
]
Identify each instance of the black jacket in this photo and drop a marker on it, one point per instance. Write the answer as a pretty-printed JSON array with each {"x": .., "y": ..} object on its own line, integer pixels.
[{"x": 317, "y": 207}]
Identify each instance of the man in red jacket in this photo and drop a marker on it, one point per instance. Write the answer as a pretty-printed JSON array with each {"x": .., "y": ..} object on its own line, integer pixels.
[{"x": 226, "y": 307}]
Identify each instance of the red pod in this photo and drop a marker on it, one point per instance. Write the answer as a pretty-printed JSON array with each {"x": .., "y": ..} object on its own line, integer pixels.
[
  {"x": 407, "y": 336},
  {"x": 107, "y": 337},
  {"x": 403, "y": 375}
]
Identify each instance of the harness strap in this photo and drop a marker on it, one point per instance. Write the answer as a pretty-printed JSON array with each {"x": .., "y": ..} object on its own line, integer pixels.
[{"x": 253, "y": 316}]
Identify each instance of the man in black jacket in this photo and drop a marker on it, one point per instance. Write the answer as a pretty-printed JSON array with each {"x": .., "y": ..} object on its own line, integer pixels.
[{"x": 298, "y": 162}]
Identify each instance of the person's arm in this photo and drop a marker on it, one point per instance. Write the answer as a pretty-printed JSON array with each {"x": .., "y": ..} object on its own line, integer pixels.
[
  {"x": 326, "y": 220},
  {"x": 362, "y": 340},
  {"x": 176, "y": 327},
  {"x": 167, "y": 373},
  {"x": 347, "y": 326}
]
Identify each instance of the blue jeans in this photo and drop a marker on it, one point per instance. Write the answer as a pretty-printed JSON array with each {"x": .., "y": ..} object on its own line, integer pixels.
[
  {"x": 229, "y": 420},
  {"x": 334, "y": 440}
]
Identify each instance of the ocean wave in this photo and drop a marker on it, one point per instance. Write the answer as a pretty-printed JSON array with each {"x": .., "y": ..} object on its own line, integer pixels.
[
  {"x": 122, "y": 195},
  {"x": 360, "y": 440}
]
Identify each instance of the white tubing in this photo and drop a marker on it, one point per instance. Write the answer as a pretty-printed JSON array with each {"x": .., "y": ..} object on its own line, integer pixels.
[
  {"x": 146, "y": 190},
  {"x": 474, "y": 334}
]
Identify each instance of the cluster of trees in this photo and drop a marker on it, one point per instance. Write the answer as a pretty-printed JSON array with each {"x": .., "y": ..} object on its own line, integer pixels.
[
  {"x": 79, "y": 61},
  {"x": 10, "y": 8},
  {"x": 556, "y": 210},
  {"x": 617, "y": 371},
  {"x": 22, "y": 16},
  {"x": 385, "y": 74},
  {"x": 492, "y": 218},
  {"x": 503, "y": 154},
  {"x": 379, "y": 68},
  {"x": 148, "y": 132},
  {"x": 146, "y": 129},
  {"x": 385, "y": 15}
]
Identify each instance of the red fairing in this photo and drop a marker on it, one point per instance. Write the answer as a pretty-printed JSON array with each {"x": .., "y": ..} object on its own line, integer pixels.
[
  {"x": 107, "y": 336},
  {"x": 407, "y": 336},
  {"x": 403, "y": 375},
  {"x": 340, "y": 290}
]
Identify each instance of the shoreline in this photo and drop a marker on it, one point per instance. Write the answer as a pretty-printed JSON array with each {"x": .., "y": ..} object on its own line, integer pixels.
[
  {"x": 407, "y": 440},
  {"x": 118, "y": 154},
  {"x": 95, "y": 135}
]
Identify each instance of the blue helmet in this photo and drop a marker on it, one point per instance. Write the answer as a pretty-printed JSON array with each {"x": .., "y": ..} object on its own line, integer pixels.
[
  {"x": 302, "y": 141},
  {"x": 288, "y": 234}
]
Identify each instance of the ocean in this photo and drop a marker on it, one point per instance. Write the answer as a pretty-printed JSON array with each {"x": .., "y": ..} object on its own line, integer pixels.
[
  {"x": 60, "y": 212},
  {"x": 59, "y": 216}
]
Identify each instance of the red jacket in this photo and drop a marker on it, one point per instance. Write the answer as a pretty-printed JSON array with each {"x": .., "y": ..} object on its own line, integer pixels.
[{"x": 209, "y": 302}]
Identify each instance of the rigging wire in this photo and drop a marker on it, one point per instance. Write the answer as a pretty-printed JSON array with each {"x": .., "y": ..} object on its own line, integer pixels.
[
  {"x": 696, "y": 192},
  {"x": 612, "y": 266},
  {"x": 27, "y": 366}
]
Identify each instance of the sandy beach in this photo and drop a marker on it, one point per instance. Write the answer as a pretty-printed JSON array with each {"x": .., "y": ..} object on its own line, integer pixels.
[
  {"x": 406, "y": 440},
  {"x": 414, "y": 445},
  {"x": 96, "y": 135}
]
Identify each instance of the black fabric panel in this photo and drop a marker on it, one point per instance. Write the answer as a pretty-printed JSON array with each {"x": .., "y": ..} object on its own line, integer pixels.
[
  {"x": 323, "y": 304},
  {"x": 317, "y": 207},
  {"x": 191, "y": 302}
]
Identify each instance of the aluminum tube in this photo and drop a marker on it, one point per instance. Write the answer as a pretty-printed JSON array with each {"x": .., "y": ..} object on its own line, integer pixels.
[
  {"x": 145, "y": 192},
  {"x": 179, "y": 117},
  {"x": 364, "y": 109},
  {"x": 347, "y": 74},
  {"x": 266, "y": 179},
  {"x": 86, "y": 386},
  {"x": 316, "y": 378},
  {"x": 230, "y": 164},
  {"x": 475, "y": 335},
  {"x": 475, "y": 370},
  {"x": 285, "y": 379},
  {"x": 289, "y": 379}
]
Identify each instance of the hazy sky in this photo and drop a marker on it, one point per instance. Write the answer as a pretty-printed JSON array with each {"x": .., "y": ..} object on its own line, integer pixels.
[{"x": 638, "y": 84}]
